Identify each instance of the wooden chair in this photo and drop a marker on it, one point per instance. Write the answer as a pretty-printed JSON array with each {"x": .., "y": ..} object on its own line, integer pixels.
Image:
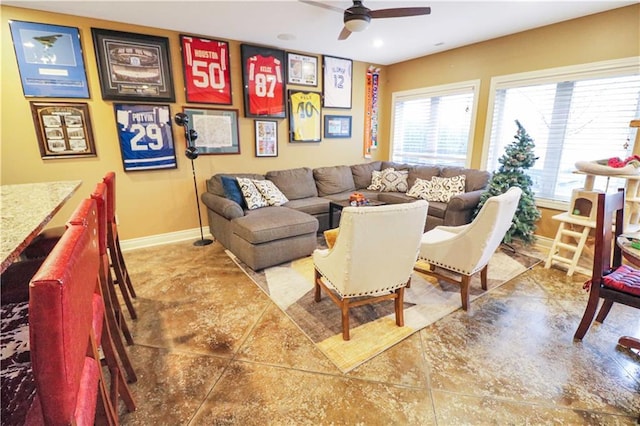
[
  {"x": 610, "y": 278},
  {"x": 113, "y": 244},
  {"x": 372, "y": 259}
]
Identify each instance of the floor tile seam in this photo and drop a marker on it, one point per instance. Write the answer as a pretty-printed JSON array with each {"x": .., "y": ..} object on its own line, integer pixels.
[
  {"x": 531, "y": 404},
  {"x": 181, "y": 351},
  {"x": 204, "y": 400},
  {"x": 427, "y": 374},
  {"x": 243, "y": 340}
]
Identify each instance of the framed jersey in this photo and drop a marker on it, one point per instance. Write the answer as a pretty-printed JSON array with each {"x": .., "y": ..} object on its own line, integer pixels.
[
  {"x": 207, "y": 73},
  {"x": 304, "y": 116},
  {"x": 337, "y": 82},
  {"x": 263, "y": 81},
  {"x": 146, "y": 139}
]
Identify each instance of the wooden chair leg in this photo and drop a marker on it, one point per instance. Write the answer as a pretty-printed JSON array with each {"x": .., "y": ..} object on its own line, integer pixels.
[
  {"x": 123, "y": 266},
  {"x": 464, "y": 291},
  {"x": 117, "y": 312},
  {"x": 589, "y": 313},
  {"x": 345, "y": 319},
  {"x": 483, "y": 277},
  {"x": 604, "y": 310},
  {"x": 399, "y": 305},
  {"x": 120, "y": 280},
  {"x": 318, "y": 292}
]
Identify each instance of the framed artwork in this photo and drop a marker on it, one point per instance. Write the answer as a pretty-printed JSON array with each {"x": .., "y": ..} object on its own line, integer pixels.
[
  {"x": 337, "y": 126},
  {"x": 207, "y": 72},
  {"x": 263, "y": 82},
  {"x": 337, "y": 82},
  {"x": 146, "y": 139},
  {"x": 50, "y": 60},
  {"x": 302, "y": 69},
  {"x": 63, "y": 129},
  {"x": 133, "y": 67},
  {"x": 266, "y": 138},
  {"x": 304, "y": 116},
  {"x": 217, "y": 130}
]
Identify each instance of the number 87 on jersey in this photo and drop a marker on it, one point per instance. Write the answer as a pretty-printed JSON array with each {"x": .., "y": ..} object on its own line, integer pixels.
[{"x": 206, "y": 70}]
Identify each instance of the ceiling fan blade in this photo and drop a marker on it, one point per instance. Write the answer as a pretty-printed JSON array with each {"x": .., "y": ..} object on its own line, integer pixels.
[
  {"x": 344, "y": 34},
  {"x": 322, "y": 5},
  {"x": 400, "y": 12}
]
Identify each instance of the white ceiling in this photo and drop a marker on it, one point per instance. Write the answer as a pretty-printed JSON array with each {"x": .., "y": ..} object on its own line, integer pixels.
[{"x": 451, "y": 24}]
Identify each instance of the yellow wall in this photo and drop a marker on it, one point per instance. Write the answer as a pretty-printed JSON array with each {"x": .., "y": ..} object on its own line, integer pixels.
[
  {"x": 151, "y": 202},
  {"x": 157, "y": 202},
  {"x": 605, "y": 36}
]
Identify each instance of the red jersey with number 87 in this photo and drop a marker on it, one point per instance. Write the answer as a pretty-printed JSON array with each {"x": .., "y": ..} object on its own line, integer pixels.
[
  {"x": 265, "y": 85},
  {"x": 206, "y": 68}
]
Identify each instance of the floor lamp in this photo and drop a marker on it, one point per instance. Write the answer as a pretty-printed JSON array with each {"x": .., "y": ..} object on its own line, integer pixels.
[{"x": 191, "y": 152}]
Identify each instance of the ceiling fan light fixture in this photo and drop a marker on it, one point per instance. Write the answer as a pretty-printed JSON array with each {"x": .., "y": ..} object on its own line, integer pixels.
[{"x": 356, "y": 24}]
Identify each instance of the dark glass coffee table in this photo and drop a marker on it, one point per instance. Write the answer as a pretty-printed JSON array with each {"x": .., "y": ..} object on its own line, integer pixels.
[{"x": 336, "y": 206}]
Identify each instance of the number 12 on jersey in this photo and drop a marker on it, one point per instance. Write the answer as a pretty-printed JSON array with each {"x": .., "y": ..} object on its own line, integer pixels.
[{"x": 206, "y": 70}]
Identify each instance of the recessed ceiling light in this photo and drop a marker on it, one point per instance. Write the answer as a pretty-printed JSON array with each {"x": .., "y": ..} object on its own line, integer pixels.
[
  {"x": 440, "y": 43},
  {"x": 286, "y": 36},
  {"x": 377, "y": 42}
]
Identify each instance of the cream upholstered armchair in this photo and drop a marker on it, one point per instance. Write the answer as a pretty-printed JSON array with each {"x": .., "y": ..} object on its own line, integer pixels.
[
  {"x": 465, "y": 250},
  {"x": 373, "y": 257}
]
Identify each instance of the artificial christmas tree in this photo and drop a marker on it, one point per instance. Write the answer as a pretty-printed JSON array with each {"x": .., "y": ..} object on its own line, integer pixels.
[{"x": 518, "y": 157}]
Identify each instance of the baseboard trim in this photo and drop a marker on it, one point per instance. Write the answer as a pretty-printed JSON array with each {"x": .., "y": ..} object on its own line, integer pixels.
[{"x": 161, "y": 239}]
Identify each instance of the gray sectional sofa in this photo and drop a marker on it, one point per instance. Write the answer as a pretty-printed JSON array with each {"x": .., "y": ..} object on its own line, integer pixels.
[{"x": 272, "y": 235}]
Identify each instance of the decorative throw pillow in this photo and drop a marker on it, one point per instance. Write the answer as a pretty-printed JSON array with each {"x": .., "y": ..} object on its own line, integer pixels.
[
  {"x": 270, "y": 192},
  {"x": 419, "y": 189},
  {"x": 376, "y": 180},
  {"x": 232, "y": 190},
  {"x": 252, "y": 196},
  {"x": 442, "y": 189},
  {"x": 394, "y": 180}
]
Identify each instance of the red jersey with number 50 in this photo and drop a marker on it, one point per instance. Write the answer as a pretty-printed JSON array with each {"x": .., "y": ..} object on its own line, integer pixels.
[
  {"x": 265, "y": 86},
  {"x": 206, "y": 69}
]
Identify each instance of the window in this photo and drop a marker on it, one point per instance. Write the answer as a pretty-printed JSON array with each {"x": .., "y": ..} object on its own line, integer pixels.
[
  {"x": 433, "y": 125},
  {"x": 573, "y": 114}
]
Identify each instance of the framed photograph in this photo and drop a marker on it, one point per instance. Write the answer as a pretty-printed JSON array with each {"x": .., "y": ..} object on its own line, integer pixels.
[
  {"x": 146, "y": 139},
  {"x": 304, "y": 116},
  {"x": 337, "y": 126},
  {"x": 133, "y": 67},
  {"x": 217, "y": 130},
  {"x": 63, "y": 129},
  {"x": 266, "y": 138},
  {"x": 263, "y": 81},
  {"x": 302, "y": 69},
  {"x": 50, "y": 60},
  {"x": 207, "y": 73},
  {"x": 337, "y": 82}
]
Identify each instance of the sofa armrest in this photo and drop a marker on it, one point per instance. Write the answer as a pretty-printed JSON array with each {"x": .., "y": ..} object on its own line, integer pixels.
[
  {"x": 223, "y": 206},
  {"x": 460, "y": 208}
]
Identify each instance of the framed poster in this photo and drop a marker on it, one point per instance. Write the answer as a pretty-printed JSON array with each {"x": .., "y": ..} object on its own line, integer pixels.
[
  {"x": 302, "y": 69},
  {"x": 49, "y": 60},
  {"x": 266, "y": 138},
  {"x": 304, "y": 116},
  {"x": 207, "y": 73},
  {"x": 263, "y": 82},
  {"x": 146, "y": 140},
  {"x": 337, "y": 126},
  {"x": 133, "y": 67},
  {"x": 337, "y": 82},
  {"x": 217, "y": 130},
  {"x": 63, "y": 129}
]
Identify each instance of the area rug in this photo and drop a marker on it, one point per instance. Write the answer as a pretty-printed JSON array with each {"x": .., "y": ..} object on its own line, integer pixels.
[{"x": 372, "y": 327}]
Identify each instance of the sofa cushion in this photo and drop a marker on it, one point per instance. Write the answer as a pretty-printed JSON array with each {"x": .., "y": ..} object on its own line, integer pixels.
[
  {"x": 395, "y": 198},
  {"x": 394, "y": 180},
  {"x": 294, "y": 183},
  {"x": 273, "y": 223},
  {"x": 309, "y": 205},
  {"x": 362, "y": 173},
  {"x": 475, "y": 179},
  {"x": 214, "y": 184},
  {"x": 442, "y": 189},
  {"x": 422, "y": 172},
  {"x": 331, "y": 180},
  {"x": 252, "y": 196},
  {"x": 232, "y": 190},
  {"x": 396, "y": 166},
  {"x": 270, "y": 192}
]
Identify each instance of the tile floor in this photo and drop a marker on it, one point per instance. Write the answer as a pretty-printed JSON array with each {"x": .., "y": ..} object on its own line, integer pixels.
[{"x": 212, "y": 349}]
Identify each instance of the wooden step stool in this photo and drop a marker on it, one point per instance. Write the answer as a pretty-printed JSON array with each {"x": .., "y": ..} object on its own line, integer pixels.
[{"x": 574, "y": 229}]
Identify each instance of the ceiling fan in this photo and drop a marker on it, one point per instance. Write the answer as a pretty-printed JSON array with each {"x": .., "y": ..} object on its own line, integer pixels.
[{"x": 358, "y": 17}]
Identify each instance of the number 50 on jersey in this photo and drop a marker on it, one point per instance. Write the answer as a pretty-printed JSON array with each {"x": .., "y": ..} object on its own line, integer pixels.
[{"x": 207, "y": 74}]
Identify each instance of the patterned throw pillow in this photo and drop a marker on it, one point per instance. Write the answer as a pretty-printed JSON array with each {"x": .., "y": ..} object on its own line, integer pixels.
[
  {"x": 252, "y": 196},
  {"x": 376, "y": 180},
  {"x": 270, "y": 192},
  {"x": 442, "y": 189},
  {"x": 419, "y": 189},
  {"x": 394, "y": 180}
]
